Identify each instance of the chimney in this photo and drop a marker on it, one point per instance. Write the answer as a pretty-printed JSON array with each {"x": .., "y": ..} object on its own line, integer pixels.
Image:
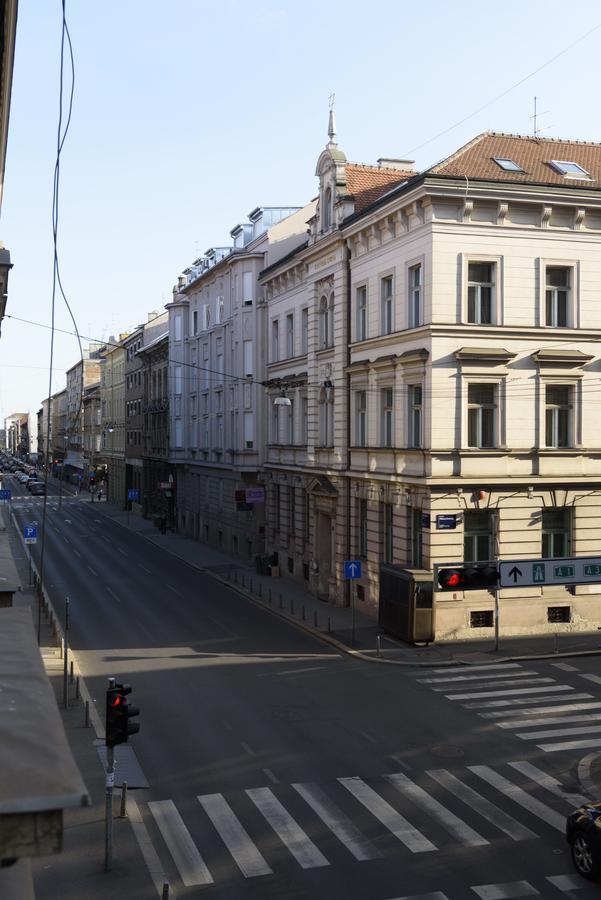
[
  {"x": 404, "y": 165},
  {"x": 152, "y": 315}
]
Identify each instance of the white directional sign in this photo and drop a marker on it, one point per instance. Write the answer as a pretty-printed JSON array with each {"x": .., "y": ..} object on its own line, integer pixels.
[{"x": 530, "y": 572}]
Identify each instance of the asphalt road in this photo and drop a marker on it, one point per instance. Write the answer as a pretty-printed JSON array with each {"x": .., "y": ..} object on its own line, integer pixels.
[{"x": 267, "y": 753}]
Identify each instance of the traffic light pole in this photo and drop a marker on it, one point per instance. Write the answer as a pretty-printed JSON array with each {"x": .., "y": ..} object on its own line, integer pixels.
[{"x": 110, "y": 783}]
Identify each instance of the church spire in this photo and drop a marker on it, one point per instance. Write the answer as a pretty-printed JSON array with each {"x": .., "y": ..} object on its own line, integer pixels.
[{"x": 332, "y": 122}]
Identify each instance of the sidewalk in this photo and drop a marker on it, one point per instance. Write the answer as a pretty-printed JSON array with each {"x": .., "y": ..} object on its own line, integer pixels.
[{"x": 292, "y": 601}]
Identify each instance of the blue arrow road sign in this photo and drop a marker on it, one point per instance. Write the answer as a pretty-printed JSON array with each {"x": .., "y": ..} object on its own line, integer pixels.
[
  {"x": 5, "y": 495},
  {"x": 352, "y": 568}
]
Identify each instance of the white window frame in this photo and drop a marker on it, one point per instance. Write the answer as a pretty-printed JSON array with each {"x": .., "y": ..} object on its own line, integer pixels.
[
  {"x": 387, "y": 416},
  {"x": 290, "y": 423},
  {"x": 387, "y": 304},
  {"x": 290, "y": 335},
  {"x": 415, "y": 412},
  {"x": 498, "y": 282},
  {"x": 574, "y": 383},
  {"x": 496, "y": 438},
  {"x": 305, "y": 329},
  {"x": 573, "y": 305},
  {"x": 361, "y": 417},
  {"x": 275, "y": 340},
  {"x": 553, "y": 417},
  {"x": 415, "y": 295},
  {"x": 361, "y": 318}
]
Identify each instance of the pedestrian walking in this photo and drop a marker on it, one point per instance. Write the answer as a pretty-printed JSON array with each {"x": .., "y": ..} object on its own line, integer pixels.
[{"x": 99, "y": 494}]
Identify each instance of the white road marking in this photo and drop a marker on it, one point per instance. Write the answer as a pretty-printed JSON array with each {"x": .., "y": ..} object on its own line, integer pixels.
[
  {"x": 521, "y": 701},
  {"x": 151, "y": 857},
  {"x": 558, "y": 732},
  {"x": 536, "y": 723},
  {"x": 568, "y": 745},
  {"x": 482, "y": 677},
  {"x": 566, "y": 667},
  {"x": 505, "y": 891},
  {"x": 191, "y": 866},
  {"x": 300, "y": 845},
  {"x": 456, "y": 827},
  {"x": 535, "y": 690},
  {"x": 112, "y": 593},
  {"x": 77, "y": 553},
  {"x": 66, "y": 539},
  {"x": 485, "y": 667},
  {"x": 235, "y": 837},
  {"x": 595, "y": 678},
  {"x": 122, "y": 551},
  {"x": 368, "y": 737},
  {"x": 497, "y": 817},
  {"x": 95, "y": 574},
  {"x": 144, "y": 569},
  {"x": 301, "y": 671},
  {"x": 520, "y": 796},
  {"x": 434, "y": 895},
  {"x": 338, "y": 823},
  {"x": 548, "y": 782},
  {"x": 566, "y": 883},
  {"x": 271, "y": 776},
  {"x": 175, "y": 590},
  {"x": 387, "y": 815},
  {"x": 568, "y": 707},
  {"x": 247, "y": 749},
  {"x": 400, "y": 762},
  {"x": 495, "y": 684}
]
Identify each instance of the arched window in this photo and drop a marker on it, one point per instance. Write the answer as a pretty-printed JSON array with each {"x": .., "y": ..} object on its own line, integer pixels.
[{"x": 326, "y": 217}]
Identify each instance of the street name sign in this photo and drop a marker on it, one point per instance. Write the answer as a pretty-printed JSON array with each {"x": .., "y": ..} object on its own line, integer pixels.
[
  {"x": 532, "y": 572},
  {"x": 5, "y": 495},
  {"x": 352, "y": 568},
  {"x": 30, "y": 533}
]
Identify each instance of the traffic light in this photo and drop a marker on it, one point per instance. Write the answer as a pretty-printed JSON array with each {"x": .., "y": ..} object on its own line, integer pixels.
[
  {"x": 118, "y": 715},
  {"x": 469, "y": 577}
]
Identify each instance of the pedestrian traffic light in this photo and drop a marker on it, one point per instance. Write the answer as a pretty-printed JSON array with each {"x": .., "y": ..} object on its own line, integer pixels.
[
  {"x": 469, "y": 577},
  {"x": 118, "y": 715}
]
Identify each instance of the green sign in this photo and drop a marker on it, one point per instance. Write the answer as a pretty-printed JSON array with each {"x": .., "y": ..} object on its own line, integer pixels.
[
  {"x": 592, "y": 570},
  {"x": 563, "y": 571},
  {"x": 538, "y": 573}
]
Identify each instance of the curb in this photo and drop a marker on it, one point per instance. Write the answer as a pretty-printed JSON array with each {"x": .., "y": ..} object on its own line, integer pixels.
[{"x": 344, "y": 648}]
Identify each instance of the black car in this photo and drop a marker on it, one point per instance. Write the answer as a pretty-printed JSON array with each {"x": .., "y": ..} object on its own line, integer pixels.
[
  {"x": 583, "y": 832},
  {"x": 37, "y": 488}
]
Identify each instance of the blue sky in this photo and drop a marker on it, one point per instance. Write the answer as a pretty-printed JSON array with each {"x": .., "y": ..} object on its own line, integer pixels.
[{"x": 187, "y": 115}]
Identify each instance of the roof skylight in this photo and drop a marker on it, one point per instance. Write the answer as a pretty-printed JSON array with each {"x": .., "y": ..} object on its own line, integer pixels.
[
  {"x": 569, "y": 169},
  {"x": 508, "y": 165}
]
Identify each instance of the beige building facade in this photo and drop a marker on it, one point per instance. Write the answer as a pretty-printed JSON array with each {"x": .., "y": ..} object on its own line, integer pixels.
[{"x": 444, "y": 398}]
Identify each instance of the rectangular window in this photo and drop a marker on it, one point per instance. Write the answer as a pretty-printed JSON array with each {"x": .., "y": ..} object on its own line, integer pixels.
[
  {"x": 249, "y": 430},
  {"x": 247, "y": 350},
  {"x": 304, "y": 436},
  {"x": 247, "y": 287},
  {"x": 178, "y": 433},
  {"x": 292, "y": 513},
  {"x": 415, "y": 524},
  {"x": 177, "y": 327},
  {"x": 195, "y": 322},
  {"x": 477, "y": 535},
  {"x": 361, "y": 418},
  {"x": 362, "y": 528},
  {"x": 386, "y": 304},
  {"x": 277, "y": 507},
  {"x": 415, "y": 415},
  {"x": 557, "y": 296},
  {"x": 275, "y": 424},
  {"x": 386, "y": 407},
  {"x": 290, "y": 423},
  {"x": 387, "y": 521},
  {"x": 275, "y": 340},
  {"x": 480, "y": 293},
  {"x": 415, "y": 296},
  {"x": 290, "y": 335},
  {"x": 304, "y": 330},
  {"x": 557, "y": 415},
  {"x": 362, "y": 313},
  {"x": 178, "y": 380},
  {"x": 556, "y": 532},
  {"x": 481, "y": 413}
]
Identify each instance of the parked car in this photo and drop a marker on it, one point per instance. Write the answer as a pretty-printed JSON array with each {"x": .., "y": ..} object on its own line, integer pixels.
[
  {"x": 583, "y": 833},
  {"x": 37, "y": 488}
]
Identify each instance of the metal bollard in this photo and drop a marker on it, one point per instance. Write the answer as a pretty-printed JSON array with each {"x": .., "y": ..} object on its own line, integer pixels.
[
  {"x": 556, "y": 645},
  {"x": 315, "y": 618},
  {"x": 165, "y": 895},
  {"x": 71, "y": 677},
  {"x": 123, "y": 812},
  {"x": 303, "y": 613},
  {"x": 378, "y": 645},
  {"x": 87, "y": 715},
  {"x": 77, "y": 688}
]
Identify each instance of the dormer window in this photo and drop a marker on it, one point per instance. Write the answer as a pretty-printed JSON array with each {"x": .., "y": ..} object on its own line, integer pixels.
[
  {"x": 327, "y": 209},
  {"x": 569, "y": 169},
  {"x": 508, "y": 165}
]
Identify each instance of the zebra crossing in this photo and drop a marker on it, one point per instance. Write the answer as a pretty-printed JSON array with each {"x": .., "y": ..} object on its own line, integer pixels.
[
  {"x": 313, "y": 826},
  {"x": 554, "y": 716},
  {"x": 565, "y": 884}
]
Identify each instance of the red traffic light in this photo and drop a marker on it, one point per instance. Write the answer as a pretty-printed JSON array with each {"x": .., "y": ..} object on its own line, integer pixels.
[{"x": 470, "y": 577}]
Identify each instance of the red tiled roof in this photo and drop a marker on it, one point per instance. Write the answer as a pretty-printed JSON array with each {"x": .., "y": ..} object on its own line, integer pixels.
[
  {"x": 532, "y": 154},
  {"x": 366, "y": 184}
]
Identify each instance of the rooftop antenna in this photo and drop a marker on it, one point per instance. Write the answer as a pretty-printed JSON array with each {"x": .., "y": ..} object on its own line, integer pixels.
[
  {"x": 332, "y": 121},
  {"x": 535, "y": 129}
]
